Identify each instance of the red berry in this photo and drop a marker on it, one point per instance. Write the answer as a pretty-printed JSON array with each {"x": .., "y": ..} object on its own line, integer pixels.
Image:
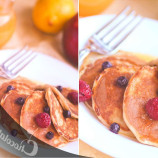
[
  {"x": 43, "y": 120},
  {"x": 85, "y": 91},
  {"x": 73, "y": 97},
  {"x": 152, "y": 108}
]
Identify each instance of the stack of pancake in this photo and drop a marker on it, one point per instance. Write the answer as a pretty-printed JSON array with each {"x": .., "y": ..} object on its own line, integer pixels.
[
  {"x": 23, "y": 100},
  {"x": 122, "y": 104}
]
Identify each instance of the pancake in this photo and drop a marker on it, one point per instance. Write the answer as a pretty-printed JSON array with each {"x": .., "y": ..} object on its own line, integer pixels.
[
  {"x": 62, "y": 97},
  {"x": 10, "y": 113},
  {"x": 142, "y": 87},
  {"x": 108, "y": 96},
  {"x": 9, "y": 104},
  {"x": 153, "y": 62},
  {"x": 34, "y": 105},
  {"x": 66, "y": 127},
  {"x": 65, "y": 103},
  {"x": 92, "y": 66},
  {"x": 17, "y": 86}
]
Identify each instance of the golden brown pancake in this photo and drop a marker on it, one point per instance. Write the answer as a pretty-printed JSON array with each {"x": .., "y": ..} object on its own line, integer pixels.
[
  {"x": 12, "y": 111},
  {"x": 65, "y": 103},
  {"x": 9, "y": 104},
  {"x": 142, "y": 87},
  {"x": 19, "y": 83},
  {"x": 62, "y": 97},
  {"x": 16, "y": 85},
  {"x": 108, "y": 96},
  {"x": 153, "y": 62},
  {"x": 92, "y": 66},
  {"x": 66, "y": 127},
  {"x": 34, "y": 105}
]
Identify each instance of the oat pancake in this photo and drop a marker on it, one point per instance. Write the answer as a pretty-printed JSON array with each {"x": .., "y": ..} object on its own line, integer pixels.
[
  {"x": 66, "y": 127},
  {"x": 108, "y": 96},
  {"x": 153, "y": 62},
  {"x": 62, "y": 97},
  {"x": 34, "y": 105},
  {"x": 142, "y": 87},
  {"x": 9, "y": 104},
  {"x": 92, "y": 66},
  {"x": 65, "y": 103},
  {"x": 16, "y": 85}
]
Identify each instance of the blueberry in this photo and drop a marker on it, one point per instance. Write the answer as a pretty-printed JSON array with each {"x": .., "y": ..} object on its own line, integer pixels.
[
  {"x": 10, "y": 87},
  {"x": 115, "y": 128},
  {"x": 122, "y": 81},
  {"x": 67, "y": 114},
  {"x": 60, "y": 88},
  {"x": 106, "y": 65},
  {"x": 20, "y": 101},
  {"x": 14, "y": 132},
  {"x": 49, "y": 135},
  {"x": 46, "y": 109}
]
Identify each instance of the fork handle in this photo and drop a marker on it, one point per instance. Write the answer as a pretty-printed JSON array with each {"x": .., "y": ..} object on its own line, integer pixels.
[{"x": 82, "y": 54}]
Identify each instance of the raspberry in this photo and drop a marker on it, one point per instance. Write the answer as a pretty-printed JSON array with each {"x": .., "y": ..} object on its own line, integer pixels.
[
  {"x": 73, "y": 97},
  {"x": 152, "y": 108},
  {"x": 85, "y": 92},
  {"x": 43, "y": 120}
]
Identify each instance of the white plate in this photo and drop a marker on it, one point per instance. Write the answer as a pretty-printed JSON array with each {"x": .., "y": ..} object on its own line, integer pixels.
[
  {"x": 49, "y": 70},
  {"x": 143, "y": 40}
]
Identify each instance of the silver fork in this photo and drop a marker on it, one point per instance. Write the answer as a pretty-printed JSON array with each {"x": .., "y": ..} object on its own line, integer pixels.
[
  {"x": 112, "y": 34},
  {"x": 11, "y": 67}
]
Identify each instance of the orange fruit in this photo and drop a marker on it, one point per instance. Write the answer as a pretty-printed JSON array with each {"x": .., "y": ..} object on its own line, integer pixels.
[
  {"x": 50, "y": 15},
  {"x": 93, "y": 7}
]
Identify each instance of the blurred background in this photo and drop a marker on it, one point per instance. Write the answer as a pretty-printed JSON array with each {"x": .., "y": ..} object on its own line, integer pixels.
[
  {"x": 146, "y": 8},
  {"x": 40, "y": 25}
]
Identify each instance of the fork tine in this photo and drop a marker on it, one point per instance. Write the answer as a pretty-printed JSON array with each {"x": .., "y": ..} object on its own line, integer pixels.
[
  {"x": 117, "y": 24},
  {"x": 15, "y": 55},
  {"x": 127, "y": 34},
  {"x": 126, "y": 9},
  {"x": 25, "y": 64},
  {"x": 20, "y": 60},
  {"x": 121, "y": 30}
]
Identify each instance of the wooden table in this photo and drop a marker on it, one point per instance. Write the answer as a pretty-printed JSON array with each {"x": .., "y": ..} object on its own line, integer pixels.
[{"x": 146, "y": 8}]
